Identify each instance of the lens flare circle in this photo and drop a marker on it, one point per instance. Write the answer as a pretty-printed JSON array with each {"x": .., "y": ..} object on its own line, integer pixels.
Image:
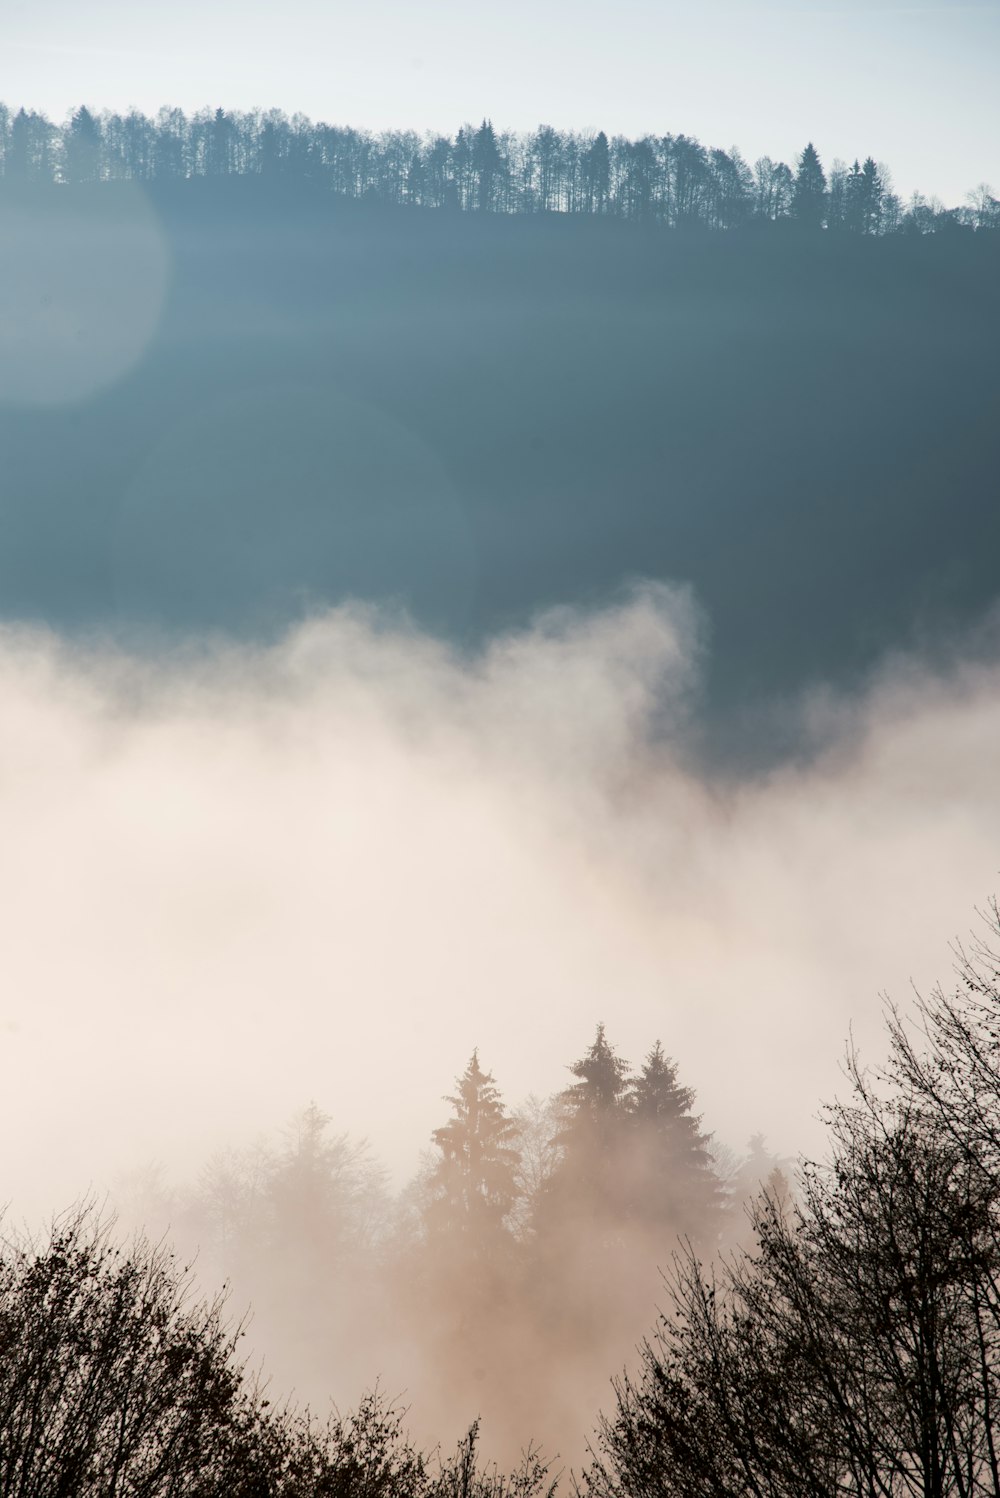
[{"x": 85, "y": 273}]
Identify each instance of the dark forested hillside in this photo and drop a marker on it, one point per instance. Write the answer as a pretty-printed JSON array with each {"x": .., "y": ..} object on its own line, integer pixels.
[{"x": 227, "y": 402}]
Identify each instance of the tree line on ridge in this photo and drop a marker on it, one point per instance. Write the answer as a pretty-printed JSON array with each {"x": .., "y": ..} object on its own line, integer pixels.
[{"x": 671, "y": 179}]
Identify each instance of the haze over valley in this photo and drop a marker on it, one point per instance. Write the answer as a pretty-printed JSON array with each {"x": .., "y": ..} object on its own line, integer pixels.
[{"x": 500, "y": 691}]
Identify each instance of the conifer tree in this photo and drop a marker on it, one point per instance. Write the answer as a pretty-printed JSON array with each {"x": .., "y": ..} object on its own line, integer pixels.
[
  {"x": 587, "y": 1182},
  {"x": 487, "y": 165},
  {"x": 865, "y": 192},
  {"x": 474, "y": 1183},
  {"x": 809, "y": 193},
  {"x": 595, "y": 1099},
  {"x": 83, "y": 148},
  {"x": 672, "y": 1178},
  {"x": 598, "y": 174},
  {"x": 594, "y": 1105}
]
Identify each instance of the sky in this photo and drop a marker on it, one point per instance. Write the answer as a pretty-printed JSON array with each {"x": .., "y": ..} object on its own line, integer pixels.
[{"x": 912, "y": 85}]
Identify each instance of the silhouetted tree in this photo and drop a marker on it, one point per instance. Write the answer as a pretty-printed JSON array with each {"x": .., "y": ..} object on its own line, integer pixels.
[
  {"x": 637, "y": 183},
  {"x": 730, "y": 197},
  {"x": 983, "y": 207},
  {"x": 855, "y": 1349},
  {"x": 669, "y": 1170},
  {"x": 111, "y": 1383},
  {"x": 487, "y": 164},
  {"x": 809, "y": 193},
  {"x": 955, "y": 1071},
  {"x": 866, "y": 193},
  {"x": 598, "y": 174},
  {"x": 773, "y": 187},
  {"x": 595, "y": 1101},
  {"x": 841, "y": 1357},
  {"x": 859, "y": 198},
  {"x": 217, "y": 142},
  {"x": 114, "y": 1382},
  {"x": 30, "y": 155},
  {"x": 587, "y": 1194},
  {"x": 170, "y": 145},
  {"x": 593, "y": 1131},
  {"x": 544, "y": 184},
  {"x": 687, "y": 172},
  {"x": 82, "y": 147},
  {"x": 474, "y": 1183},
  {"x": 130, "y": 144}
]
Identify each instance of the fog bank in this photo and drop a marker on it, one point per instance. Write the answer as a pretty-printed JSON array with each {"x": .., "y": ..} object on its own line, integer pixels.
[{"x": 239, "y": 878}]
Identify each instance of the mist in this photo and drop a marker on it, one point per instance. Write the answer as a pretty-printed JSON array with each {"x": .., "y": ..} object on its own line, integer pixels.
[
  {"x": 237, "y": 878},
  {"x": 499, "y": 707}
]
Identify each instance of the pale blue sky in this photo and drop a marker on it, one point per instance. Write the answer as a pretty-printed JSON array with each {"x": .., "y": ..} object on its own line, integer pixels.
[{"x": 913, "y": 85}]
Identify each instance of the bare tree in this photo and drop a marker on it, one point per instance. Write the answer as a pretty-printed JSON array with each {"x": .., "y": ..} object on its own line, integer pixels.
[
  {"x": 111, "y": 1381},
  {"x": 855, "y": 1349}
]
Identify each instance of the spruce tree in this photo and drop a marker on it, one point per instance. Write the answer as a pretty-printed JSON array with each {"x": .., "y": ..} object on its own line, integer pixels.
[
  {"x": 474, "y": 1183},
  {"x": 82, "y": 147},
  {"x": 598, "y": 171},
  {"x": 672, "y": 1179},
  {"x": 487, "y": 165},
  {"x": 586, "y": 1183},
  {"x": 871, "y": 195},
  {"x": 809, "y": 193},
  {"x": 594, "y": 1100},
  {"x": 594, "y": 1104}
]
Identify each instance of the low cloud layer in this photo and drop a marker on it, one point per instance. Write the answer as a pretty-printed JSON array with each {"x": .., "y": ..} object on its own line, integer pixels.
[{"x": 241, "y": 878}]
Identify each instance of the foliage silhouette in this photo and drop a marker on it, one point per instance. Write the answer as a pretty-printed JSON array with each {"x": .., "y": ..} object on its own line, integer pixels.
[
  {"x": 668, "y": 179},
  {"x": 113, "y": 1380},
  {"x": 474, "y": 1184},
  {"x": 855, "y": 1348}
]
